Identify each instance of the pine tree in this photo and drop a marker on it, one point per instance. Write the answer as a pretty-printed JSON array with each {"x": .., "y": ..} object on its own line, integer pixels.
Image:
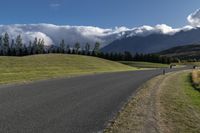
[
  {"x": 40, "y": 46},
  {"x": 128, "y": 56},
  {"x": 19, "y": 45},
  {"x": 12, "y": 47},
  {"x": 29, "y": 48},
  {"x": 34, "y": 47},
  {"x": 12, "y": 43},
  {"x": 68, "y": 49},
  {"x": 87, "y": 48},
  {"x": 77, "y": 47},
  {"x": 1, "y": 45},
  {"x": 62, "y": 46},
  {"x": 96, "y": 48},
  {"x": 5, "y": 44}
]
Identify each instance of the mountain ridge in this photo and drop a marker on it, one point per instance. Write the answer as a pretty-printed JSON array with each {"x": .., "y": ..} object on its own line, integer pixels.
[
  {"x": 190, "y": 51},
  {"x": 154, "y": 42}
]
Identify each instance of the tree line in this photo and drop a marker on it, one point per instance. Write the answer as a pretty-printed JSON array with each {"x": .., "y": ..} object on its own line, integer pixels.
[
  {"x": 16, "y": 47},
  {"x": 127, "y": 56}
]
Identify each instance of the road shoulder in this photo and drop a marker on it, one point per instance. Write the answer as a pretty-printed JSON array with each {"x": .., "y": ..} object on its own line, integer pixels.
[{"x": 159, "y": 106}]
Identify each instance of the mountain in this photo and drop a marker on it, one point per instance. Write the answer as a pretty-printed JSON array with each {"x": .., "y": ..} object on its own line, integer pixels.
[
  {"x": 191, "y": 51},
  {"x": 154, "y": 42},
  {"x": 53, "y": 34}
]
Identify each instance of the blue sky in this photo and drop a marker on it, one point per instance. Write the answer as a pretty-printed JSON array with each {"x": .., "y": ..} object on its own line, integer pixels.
[{"x": 101, "y": 13}]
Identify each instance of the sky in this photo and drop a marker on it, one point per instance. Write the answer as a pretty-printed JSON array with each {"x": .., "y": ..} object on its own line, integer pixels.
[{"x": 100, "y": 13}]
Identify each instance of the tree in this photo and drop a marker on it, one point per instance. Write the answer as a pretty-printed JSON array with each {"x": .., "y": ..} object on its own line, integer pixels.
[
  {"x": 34, "y": 47},
  {"x": 62, "y": 46},
  {"x": 19, "y": 45},
  {"x": 12, "y": 48},
  {"x": 12, "y": 44},
  {"x": 23, "y": 50},
  {"x": 96, "y": 48},
  {"x": 87, "y": 48},
  {"x": 77, "y": 47},
  {"x": 127, "y": 56},
  {"x": 5, "y": 43},
  {"x": 29, "y": 48},
  {"x": 1, "y": 41},
  {"x": 40, "y": 46},
  {"x": 6, "y": 40},
  {"x": 68, "y": 49},
  {"x": 1, "y": 45}
]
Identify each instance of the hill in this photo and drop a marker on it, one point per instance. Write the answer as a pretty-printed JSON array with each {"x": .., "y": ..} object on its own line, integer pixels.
[
  {"x": 183, "y": 52},
  {"x": 154, "y": 42},
  {"x": 22, "y": 69}
]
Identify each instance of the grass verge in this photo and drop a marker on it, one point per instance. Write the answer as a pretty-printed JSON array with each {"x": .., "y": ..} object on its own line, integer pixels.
[
  {"x": 167, "y": 104},
  {"x": 29, "y": 68}
]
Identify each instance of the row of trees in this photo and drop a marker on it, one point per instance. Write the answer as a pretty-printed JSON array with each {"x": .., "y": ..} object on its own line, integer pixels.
[
  {"x": 18, "y": 48},
  {"x": 127, "y": 56}
]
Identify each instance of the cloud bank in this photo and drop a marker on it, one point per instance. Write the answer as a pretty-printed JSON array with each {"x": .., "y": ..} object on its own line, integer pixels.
[
  {"x": 53, "y": 34},
  {"x": 194, "y": 18}
]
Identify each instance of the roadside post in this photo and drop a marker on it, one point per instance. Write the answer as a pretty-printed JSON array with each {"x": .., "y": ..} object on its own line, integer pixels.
[{"x": 163, "y": 71}]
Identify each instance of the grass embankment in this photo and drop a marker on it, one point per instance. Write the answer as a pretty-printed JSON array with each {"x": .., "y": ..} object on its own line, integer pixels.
[
  {"x": 28, "y": 68},
  {"x": 139, "y": 64},
  {"x": 167, "y": 104},
  {"x": 181, "y": 104}
]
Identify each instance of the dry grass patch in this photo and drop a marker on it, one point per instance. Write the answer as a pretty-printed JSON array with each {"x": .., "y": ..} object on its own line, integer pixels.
[{"x": 196, "y": 78}]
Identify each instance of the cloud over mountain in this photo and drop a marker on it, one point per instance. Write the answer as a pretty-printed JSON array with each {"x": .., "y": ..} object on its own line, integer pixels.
[
  {"x": 194, "y": 18},
  {"x": 53, "y": 34}
]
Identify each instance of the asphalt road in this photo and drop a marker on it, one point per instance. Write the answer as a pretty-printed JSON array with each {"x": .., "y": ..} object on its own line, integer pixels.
[{"x": 73, "y": 105}]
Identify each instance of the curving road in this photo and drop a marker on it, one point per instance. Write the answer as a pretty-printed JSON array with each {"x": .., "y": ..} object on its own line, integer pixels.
[{"x": 72, "y": 105}]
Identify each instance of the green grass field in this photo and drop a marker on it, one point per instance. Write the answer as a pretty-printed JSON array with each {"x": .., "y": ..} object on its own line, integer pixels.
[
  {"x": 28, "y": 68},
  {"x": 144, "y": 64}
]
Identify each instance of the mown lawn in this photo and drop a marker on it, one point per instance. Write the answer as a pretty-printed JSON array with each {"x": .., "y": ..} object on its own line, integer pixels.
[{"x": 28, "y": 68}]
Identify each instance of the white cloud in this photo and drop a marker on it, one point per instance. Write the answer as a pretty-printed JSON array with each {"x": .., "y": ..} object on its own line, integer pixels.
[
  {"x": 194, "y": 18},
  {"x": 53, "y": 34},
  {"x": 159, "y": 29},
  {"x": 54, "y": 5},
  {"x": 27, "y": 35}
]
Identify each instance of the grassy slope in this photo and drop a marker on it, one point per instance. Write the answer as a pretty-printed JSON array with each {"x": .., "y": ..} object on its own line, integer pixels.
[
  {"x": 167, "y": 104},
  {"x": 21, "y": 69},
  {"x": 181, "y": 104},
  {"x": 144, "y": 64}
]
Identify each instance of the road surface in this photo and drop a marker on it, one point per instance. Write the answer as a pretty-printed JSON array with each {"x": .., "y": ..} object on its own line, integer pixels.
[{"x": 72, "y": 105}]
